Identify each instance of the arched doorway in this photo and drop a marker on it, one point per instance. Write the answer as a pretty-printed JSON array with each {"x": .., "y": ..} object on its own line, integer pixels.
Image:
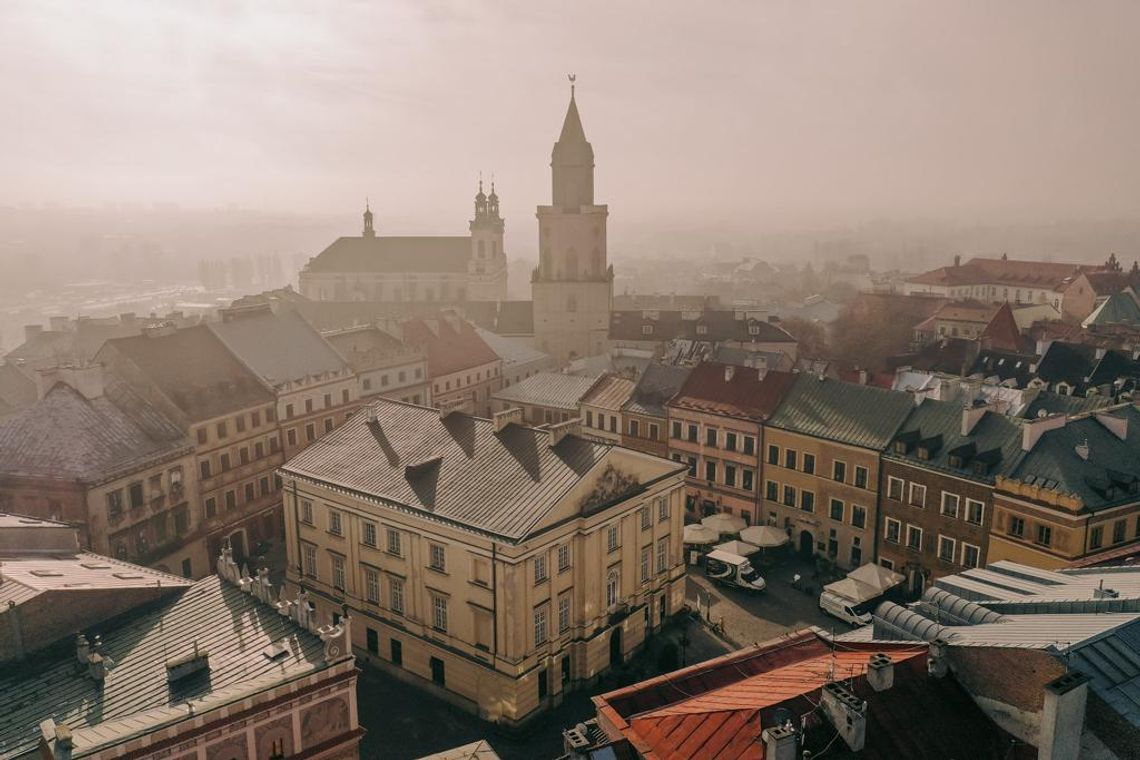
[
  {"x": 615, "y": 647},
  {"x": 807, "y": 545}
]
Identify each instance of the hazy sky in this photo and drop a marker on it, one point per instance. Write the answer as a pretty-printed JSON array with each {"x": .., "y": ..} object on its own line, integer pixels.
[{"x": 700, "y": 113}]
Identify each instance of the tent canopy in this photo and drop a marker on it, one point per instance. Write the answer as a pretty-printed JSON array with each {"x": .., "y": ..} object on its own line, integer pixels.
[
  {"x": 865, "y": 583},
  {"x": 764, "y": 536},
  {"x": 724, "y": 522},
  {"x": 739, "y": 548},
  {"x": 699, "y": 534}
]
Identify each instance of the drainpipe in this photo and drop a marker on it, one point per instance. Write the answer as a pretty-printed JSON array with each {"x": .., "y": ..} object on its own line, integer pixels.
[{"x": 494, "y": 605}]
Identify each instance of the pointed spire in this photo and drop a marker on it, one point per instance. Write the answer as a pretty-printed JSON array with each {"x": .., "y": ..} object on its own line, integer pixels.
[
  {"x": 369, "y": 231},
  {"x": 572, "y": 131}
]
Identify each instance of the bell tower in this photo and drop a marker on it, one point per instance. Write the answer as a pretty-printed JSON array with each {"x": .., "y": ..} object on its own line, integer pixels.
[
  {"x": 572, "y": 286},
  {"x": 487, "y": 265}
]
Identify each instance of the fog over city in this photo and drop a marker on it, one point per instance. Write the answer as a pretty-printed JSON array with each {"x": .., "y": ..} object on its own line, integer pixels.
[{"x": 758, "y": 115}]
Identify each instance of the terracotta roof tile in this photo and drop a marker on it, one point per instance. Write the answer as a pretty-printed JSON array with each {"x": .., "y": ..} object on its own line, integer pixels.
[
  {"x": 451, "y": 344},
  {"x": 734, "y": 391}
]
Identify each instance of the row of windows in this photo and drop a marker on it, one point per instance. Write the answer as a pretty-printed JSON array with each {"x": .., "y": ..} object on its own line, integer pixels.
[
  {"x": 714, "y": 437},
  {"x": 951, "y": 506},
  {"x": 601, "y": 421},
  {"x": 401, "y": 378},
  {"x": 150, "y": 534},
  {"x": 251, "y": 491},
  {"x": 948, "y": 548},
  {"x": 135, "y": 496},
  {"x": 1119, "y": 532},
  {"x": 837, "y": 509},
  {"x": 245, "y": 455},
  {"x": 222, "y": 428},
  {"x": 345, "y": 397},
  {"x": 793, "y": 460},
  {"x": 729, "y": 474},
  {"x": 446, "y": 385},
  {"x": 652, "y": 432}
]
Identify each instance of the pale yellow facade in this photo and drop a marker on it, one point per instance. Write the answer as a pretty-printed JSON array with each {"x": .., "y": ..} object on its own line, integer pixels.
[{"x": 501, "y": 629}]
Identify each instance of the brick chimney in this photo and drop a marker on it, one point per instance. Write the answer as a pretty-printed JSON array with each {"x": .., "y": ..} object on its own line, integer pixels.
[
  {"x": 847, "y": 713},
  {"x": 971, "y": 415}
]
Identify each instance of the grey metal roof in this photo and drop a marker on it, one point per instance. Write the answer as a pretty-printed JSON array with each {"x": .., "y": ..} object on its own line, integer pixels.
[
  {"x": 550, "y": 389},
  {"x": 233, "y": 626},
  {"x": 278, "y": 347},
  {"x": 858, "y": 415},
  {"x": 512, "y": 350},
  {"x": 610, "y": 392},
  {"x": 26, "y": 575},
  {"x": 69, "y": 437},
  {"x": 456, "y": 469},
  {"x": 939, "y": 424},
  {"x": 657, "y": 384}
]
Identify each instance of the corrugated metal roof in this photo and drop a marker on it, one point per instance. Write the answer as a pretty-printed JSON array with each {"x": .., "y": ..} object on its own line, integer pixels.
[
  {"x": 499, "y": 483},
  {"x": 281, "y": 347},
  {"x": 549, "y": 389},
  {"x": 233, "y": 626},
  {"x": 657, "y": 385},
  {"x": 858, "y": 415},
  {"x": 610, "y": 393}
]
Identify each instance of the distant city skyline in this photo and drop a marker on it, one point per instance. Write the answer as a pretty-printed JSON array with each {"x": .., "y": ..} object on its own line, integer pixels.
[{"x": 772, "y": 116}]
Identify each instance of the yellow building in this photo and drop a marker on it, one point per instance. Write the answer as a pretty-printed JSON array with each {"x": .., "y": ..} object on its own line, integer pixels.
[
  {"x": 499, "y": 565},
  {"x": 1074, "y": 494}
]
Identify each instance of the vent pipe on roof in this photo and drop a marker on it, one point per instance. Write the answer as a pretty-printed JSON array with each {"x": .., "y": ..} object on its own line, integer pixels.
[
  {"x": 1083, "y": 450},
  {"x": 1063, "y": 717},
  {"x": 17, "y": 626},
  {"x": 729, "y": 371}
]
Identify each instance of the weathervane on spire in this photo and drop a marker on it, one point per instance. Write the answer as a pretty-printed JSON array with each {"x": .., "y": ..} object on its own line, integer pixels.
[{"x": 572, "y": 78}]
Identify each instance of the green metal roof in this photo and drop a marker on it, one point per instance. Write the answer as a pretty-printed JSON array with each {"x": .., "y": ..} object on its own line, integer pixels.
[
  {"x": 1104, "y": 478},
  {"x": 1120, "y": 308},
  {"x": 858, "y": 415},
  {"x": 942, "y": 421}
]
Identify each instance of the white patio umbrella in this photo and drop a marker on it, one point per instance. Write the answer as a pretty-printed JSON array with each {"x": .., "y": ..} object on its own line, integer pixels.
[
  {"x": 724, "y": 523},
  {"x": 764, "y": 536},
  {"x": 699, "y": 534},
  {"x": 739, "y": 548}
]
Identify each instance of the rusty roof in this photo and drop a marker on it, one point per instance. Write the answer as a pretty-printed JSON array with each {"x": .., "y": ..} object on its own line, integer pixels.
[{"x": 733, "y": 391}]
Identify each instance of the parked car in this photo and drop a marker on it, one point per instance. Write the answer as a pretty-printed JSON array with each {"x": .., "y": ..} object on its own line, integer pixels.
[{"x": 733, "y": 570}]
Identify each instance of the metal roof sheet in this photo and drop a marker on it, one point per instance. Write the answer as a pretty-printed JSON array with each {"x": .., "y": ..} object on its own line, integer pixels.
[
  {"x": 857, "y": 415},
  {"x": 550, "y": 389}
]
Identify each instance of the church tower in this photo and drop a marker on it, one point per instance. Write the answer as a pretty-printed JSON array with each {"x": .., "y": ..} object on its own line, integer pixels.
[
  {"x": 487, "y": 266},
  {"x": 572, "y": 287}
]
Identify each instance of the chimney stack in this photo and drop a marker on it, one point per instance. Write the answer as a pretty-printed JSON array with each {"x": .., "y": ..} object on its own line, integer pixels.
[
  {"x": 1063, "y": 717},
  {"x": 847, "y": 713},
  {"x": 971, "y": 415},
  {"x": 729, "y": 371},
  {"x": 779, "y": 742},
  {"x": 1032, "y": 430},
  {"x": 556, "y": 433},
  {"x": 881, "y": 672},
  {"x": 936, "y": 664},
  {"x": 512, "y": 416}
]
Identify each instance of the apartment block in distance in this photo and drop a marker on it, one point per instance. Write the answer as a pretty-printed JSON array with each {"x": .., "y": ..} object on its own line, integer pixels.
[{"x": 498, "y": 565}]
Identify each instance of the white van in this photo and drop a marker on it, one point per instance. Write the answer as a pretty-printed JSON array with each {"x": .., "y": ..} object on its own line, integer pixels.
[
  {"x": 733, "y": 570},
  {"x": 844, "y": 609}
]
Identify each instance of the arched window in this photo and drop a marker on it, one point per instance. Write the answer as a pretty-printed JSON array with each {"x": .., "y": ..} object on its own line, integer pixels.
[{"x": 613, "y": 587}]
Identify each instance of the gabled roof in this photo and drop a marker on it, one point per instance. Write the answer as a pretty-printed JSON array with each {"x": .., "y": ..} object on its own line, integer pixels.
[
  {"x": 195, "y": 370},
  {"x": 69, "y": 437},
  {"x": 394, "y": 255},
  {"x": 550, "y": 389},
  {"x": 499, "y": 484},
  {"x": 280, "y": 348},
  {"x": 657, "y": 384},
  {"x": 452, "y": 344},
  {"x": 1118, "y": 309},
  {"x": 983, "y": 271},
  {"x": 233, "y": 626},
  {"x": 17, "y": 388},
  {"x": 732, "y": 391},
  {"x": 858, "y": 415}
]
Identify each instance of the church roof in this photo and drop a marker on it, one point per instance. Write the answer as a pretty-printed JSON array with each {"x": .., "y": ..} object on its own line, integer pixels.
[{"x": 394, "y": 254}]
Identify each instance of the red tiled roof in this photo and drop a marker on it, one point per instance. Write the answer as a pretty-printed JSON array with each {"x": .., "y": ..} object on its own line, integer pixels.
[
  {"x": 710, "y": 389},
  {"x": 717, "y": 709},
  {"x": 451, "y": 344},
  {"x": 979, "y": 271}
]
